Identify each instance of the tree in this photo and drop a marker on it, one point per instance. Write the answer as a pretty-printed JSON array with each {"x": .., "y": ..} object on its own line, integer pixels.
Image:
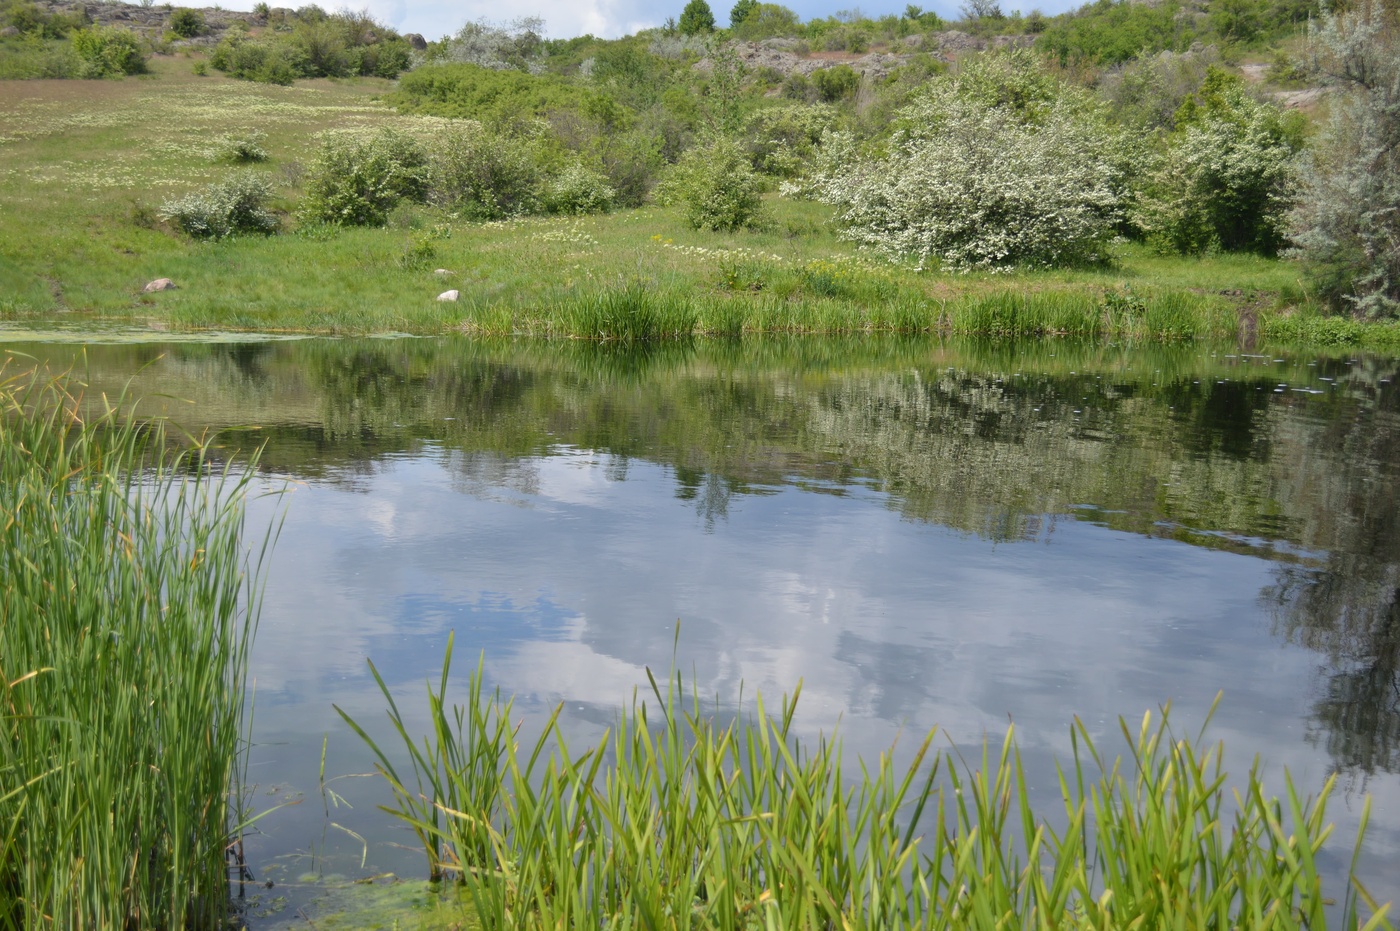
[
  {"x": 1346, "y": 226},
  {"x": 740, "y": 11},
  {"x": 697, "y": 18},
  {"x": 981, "y": 9}
]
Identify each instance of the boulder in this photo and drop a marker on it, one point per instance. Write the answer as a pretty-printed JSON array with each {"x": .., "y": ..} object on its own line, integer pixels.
[
  {"x": 449, "y": 295},
  {"x": 442, "y": 272},
  {"x": 416, "y": 42},
  {"x": 160, "y": 284}
]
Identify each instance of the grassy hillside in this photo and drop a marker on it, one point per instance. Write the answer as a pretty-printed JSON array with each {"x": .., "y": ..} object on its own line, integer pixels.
[{"x": 89, "y": 169}]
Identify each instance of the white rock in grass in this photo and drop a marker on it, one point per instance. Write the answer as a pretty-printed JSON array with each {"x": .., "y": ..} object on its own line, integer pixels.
[
  {"x": 449, "y": 295},
  {"x": 443, "y": 272},
  {"x": 160, "y": 284}
]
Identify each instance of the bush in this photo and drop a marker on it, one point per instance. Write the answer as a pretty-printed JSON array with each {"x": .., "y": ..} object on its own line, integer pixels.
[
  {"x": 515, "y": 46},
  {"x": 240, "y": 149},
  {"x": 1037, "y": 179},
  {"x": 781, "y": 140},
  {"x": 1346, "y": 225},
  {"x": 484, "y": 175},
  {"x": 765, "y": 20},
  {"x": 265, "y": 62},
  {"x": 1149, "y": 92},
  {"x": 1227, "y": 181},
  {"x": 224, "y": 208},
  {"x": 356, "y": 180},
  {"x": 32, "y": 57},
  {"x": 318, "y": 45},
  {"x": 1108, "y": 32},
  {"x": 715, "y": 187},
  {"x": 467, "y": 91},
  {"x": 109, "y": 52},
  {"x": 836, "y": 83},
  {"x": 577, "y": 190},
  {"x": 186, "y": 23}
]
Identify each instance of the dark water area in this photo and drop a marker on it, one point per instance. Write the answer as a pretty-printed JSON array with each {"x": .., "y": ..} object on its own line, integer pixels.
[{"x": 921, "y": 532}]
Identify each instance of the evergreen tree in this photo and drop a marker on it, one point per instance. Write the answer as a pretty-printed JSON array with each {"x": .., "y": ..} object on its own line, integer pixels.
[
  {"x": 741, "y": 10},
  {"x": 697, "y": 18}
]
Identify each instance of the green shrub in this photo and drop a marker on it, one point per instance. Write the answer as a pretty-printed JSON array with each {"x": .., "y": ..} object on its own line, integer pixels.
[
  {"x": 715, "y": 187},
  {"x": 483, "y": 175},
  {"x": 240, "y": 149},
  {"x": 356, "y": 180},
  {"x": 32, "y": 57},
  {"x": 765, "y": 20},
  {"x": 1108, "y": 32},
  {"x": 186, "y": 23},
  {"x": 31, "y": 21},
  {"x": 466, "y": 91},
  {"x": 781, "y": 140},
  {"x": 838, "y": 83},
  {"x": 109, "y": 52},
  {"x": 224, "y": 208},
  {"x": 255, "y": 60},
  {"x": 1227, "y": 180},
  {"x": 577, "y": 190}
]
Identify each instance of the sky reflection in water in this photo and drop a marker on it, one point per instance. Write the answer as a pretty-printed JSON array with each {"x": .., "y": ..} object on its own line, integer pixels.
[{"x": 920, "y": 533}]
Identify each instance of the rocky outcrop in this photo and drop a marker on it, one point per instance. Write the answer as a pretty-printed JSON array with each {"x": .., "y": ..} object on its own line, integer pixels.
[
  {"x": 781, "y": 54},
  {"x": 152, "y": 21}
]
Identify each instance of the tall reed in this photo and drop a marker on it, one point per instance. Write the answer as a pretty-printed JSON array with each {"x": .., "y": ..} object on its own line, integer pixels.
[
  {"x": 126, "y": 612},
  {"x": 675, "y": 820}
]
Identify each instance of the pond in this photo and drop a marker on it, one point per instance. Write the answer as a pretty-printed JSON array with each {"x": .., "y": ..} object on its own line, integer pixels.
[{"x": 920, "y": 532}]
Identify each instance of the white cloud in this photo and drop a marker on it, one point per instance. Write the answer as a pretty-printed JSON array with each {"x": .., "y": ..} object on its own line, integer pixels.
[{"x": 563, "y": 19}]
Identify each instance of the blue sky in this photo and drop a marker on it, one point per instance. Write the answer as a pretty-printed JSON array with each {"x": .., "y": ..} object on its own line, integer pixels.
[{"x": 606, "y": 18}]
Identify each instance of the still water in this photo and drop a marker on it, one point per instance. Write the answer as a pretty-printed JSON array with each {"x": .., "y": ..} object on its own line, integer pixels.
[{"x": 920, "y": 532}]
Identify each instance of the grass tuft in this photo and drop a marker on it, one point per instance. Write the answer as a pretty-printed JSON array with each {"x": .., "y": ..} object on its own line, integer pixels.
[
  {"x": 675, "y": 820},
  {"x": 126, "y": 606}
]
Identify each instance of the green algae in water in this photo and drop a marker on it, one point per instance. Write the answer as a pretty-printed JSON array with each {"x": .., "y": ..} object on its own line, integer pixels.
[{"x": 386, "y": 903}]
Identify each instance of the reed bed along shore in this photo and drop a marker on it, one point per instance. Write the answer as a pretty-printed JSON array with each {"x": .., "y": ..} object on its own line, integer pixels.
[
  {"x": 675, "y": 820},
  {"x": 634, "y": 312},
  {"x": 127, "y": 601}
]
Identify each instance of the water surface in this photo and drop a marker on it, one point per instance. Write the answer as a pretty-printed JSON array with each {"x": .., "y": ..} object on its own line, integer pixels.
[{"x": 921, "y": 532}]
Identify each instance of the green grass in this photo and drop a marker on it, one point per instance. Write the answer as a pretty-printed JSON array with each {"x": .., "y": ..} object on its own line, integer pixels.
[
  {"x": 678, "y": 820},
  {"x": 82, "y": 176},
  {"x": 126, "y": 606}
]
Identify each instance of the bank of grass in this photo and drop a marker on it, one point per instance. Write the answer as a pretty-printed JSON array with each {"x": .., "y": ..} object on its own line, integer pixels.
[
  {"x": 675, "y": 820},
  {"x": 125, "y": 622},
  {"x": 85, "y": 166}
]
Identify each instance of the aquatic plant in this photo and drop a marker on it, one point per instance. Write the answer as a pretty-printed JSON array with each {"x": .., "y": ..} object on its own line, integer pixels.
[
  {"x": 677, "y": 819},
  {"x": 126, "y": 613}
]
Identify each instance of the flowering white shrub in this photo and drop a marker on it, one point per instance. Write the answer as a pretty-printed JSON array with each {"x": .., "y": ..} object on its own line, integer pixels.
[
  {"x": 233, "y": 205},
  {"x": 978, "y": 179},
  {"x": 1346, "y": 225}
]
